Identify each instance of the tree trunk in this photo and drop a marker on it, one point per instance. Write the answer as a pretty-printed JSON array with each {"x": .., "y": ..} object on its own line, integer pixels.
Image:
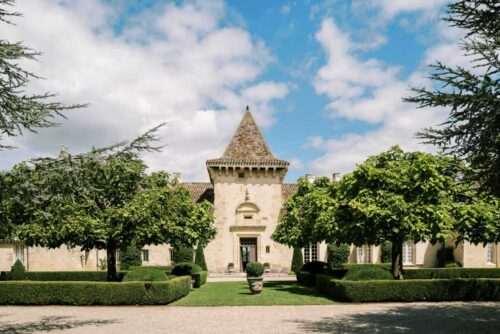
[
  {"x": 111, "y": 262},
  {"x": 397, "y": 259}
]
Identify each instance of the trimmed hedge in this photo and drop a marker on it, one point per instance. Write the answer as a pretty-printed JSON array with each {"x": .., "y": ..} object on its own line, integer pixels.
[
  {"x": 185, "y": 268},
  {"x": 145, "y": 274},
  {"x": 437, "y": 273},
  {"x": 366, "y": 272},
  {"x": 305, "y": 278},
  {"x": 409, "y": 290},
  {"x": 199, "y": 278},
  {"x": 92, "y": 276},
  {"x": 93, "y": 293}
]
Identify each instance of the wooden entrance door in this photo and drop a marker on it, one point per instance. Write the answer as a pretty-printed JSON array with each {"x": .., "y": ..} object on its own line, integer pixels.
[{"x": 248, "y": 251}]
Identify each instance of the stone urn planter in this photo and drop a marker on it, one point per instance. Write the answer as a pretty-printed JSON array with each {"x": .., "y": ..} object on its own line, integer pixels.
[
  {"x": 254, "y": 277},
  {"x": 256, "y": 284}
]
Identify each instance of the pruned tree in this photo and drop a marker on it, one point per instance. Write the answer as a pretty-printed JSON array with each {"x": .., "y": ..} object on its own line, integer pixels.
[
  {"x": 20, "y": 110},
  {"x": 102, "y": 199},
  {"x": 471, "y": 94}
]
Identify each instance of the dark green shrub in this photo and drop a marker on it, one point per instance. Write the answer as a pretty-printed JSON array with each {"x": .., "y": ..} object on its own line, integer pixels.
[
  {"x": 365, "y": 272},
  {"x": 130, "y": 257},
  {"x": 386, "y": 249},
  {"x": 297, "y": 260},
  {"x": 199, "y": 258},
  {"x": 443, "y": 273},
  {"x": 93, "y": 293},
  {"x": 183, "y": 254},
  {"x": 185, "y": 268},
  {"x": 145, "y": 274},
  {"x": 409, "y": 290},
  {"x": 315, "y": 267},
  {"x": 451, "y": 265},
  {"x": 337, "y": 255},
  {"x": 199, "y": 278},
  {"x": 306, "y": 279},
  {"x": 254, "y": 269},
  {"x": 17, "y": 271},
  {"x": 444, "y": 256}
]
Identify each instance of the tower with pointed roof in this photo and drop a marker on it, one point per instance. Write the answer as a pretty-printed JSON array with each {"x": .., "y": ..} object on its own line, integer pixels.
[{"x": 248, "y": 195}]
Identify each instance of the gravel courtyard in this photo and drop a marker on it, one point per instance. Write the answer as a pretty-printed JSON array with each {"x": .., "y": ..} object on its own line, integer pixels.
[{"x": 339, "y": 318}]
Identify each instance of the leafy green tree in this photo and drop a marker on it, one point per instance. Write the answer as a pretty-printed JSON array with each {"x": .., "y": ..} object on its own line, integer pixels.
[
  {"x": 19, "y": 110},
  {"x": 130, "y": 256},
  {"x": 337, "y": 255},
  {"x": 307, "y": 213},
  {"x": 398, "y": 196},
  {"x": 103, "y": 199},
  {"x": 199, "y": 258},
  {"x": 472, "y": 95},
  {"x": 183, "y": 254},
  {"x": 297, "y": 259}
]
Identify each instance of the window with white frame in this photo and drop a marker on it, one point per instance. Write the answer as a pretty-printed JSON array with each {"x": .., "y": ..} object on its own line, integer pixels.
[
  {"x": 408, "y": 252},
  {"x": 364, "y": 254},
  {"x": 19, "y": 250},
  {"x": 311, "y": 252},
  {"x": 145, "y": 255},
  {"x": 490, "y": 253}
]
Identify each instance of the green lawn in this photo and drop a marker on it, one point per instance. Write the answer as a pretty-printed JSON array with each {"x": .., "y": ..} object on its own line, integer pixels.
[{"x": 237, "y": 293}]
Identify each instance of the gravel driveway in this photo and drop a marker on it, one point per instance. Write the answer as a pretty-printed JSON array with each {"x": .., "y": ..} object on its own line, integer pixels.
[{"x": 427, "y": 318}]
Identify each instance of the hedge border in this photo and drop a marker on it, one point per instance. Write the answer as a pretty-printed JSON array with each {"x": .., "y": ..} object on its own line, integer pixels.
[
  {"x": 63, "y": 276},
  {"x": 93, "y": 293},
  {"x": 462, "y": 289},
  {"x": 444, "y": 273}
]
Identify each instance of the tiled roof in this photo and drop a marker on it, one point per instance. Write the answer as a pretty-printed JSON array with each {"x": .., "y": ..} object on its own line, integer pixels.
[
  {"x": 248, "y": 148},
  {"x": 288, "y": 190},
  {"x": 200, "y": 191},
  {"x": 248, "y": 142}
]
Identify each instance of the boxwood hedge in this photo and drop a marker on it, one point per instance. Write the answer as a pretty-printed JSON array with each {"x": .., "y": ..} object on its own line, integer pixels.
[
  {"x": 430, "y": 273},
  {"x": 92, "y": 276},
  {"x": 93, "y": 293},
  {"x": 462, "y": 289}
]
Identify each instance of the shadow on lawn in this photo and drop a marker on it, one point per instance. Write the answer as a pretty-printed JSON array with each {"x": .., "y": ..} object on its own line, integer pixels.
[
  {"x": 292, "y": 287},
  {"x": 429, "y": 319},
  {"x": 48, "y": 324}
]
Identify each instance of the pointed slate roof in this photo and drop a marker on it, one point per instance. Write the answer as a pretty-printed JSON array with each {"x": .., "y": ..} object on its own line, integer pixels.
[
  {"x": 248, "y": 148},
  {"x": 248, "y": 142}
]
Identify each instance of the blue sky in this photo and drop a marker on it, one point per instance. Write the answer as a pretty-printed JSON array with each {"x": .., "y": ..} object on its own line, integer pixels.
[{"x": 323, "y": 78}]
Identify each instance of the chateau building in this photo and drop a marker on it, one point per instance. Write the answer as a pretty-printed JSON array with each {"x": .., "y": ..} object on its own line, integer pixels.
[{"x": 248, "y": 192}]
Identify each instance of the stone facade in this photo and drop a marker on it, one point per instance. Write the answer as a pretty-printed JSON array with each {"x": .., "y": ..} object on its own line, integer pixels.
[{"x": 248, "y": 194}]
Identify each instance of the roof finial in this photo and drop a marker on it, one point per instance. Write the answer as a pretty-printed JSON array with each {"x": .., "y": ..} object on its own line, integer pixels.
[{"x": 247, "y": 108}]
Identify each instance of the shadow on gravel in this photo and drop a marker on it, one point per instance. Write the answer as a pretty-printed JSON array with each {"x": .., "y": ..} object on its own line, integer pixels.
[
  {"x": 428, "y": 319},
  {"x": 48, "y": 324}
]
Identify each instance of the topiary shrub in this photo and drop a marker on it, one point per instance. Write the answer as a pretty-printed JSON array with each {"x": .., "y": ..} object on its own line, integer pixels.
[
  {"x": 145, "y": 274},
  {"x": 183, "y": 254},
  {"x": 297, "y": 260},
  {"x": 185, "y": 268},
  {"x": 368, "y": 272},
  {"x": 337, "y": 255},
  {"x": 254, "y": 269},
  {"x": 386, "y": 249},
  {"x": 199, "y": 258},
  {"x": 17, "y": 271},
  {"x": 130, "y": 256},
  {"x": 315, "y": 267}
]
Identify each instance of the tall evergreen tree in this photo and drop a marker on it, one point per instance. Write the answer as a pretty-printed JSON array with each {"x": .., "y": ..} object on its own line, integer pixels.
[
  {"x": 472, "y": 95},
  {"x": 297, "y": 259},
  {"x": 199, "y": 257},
  {"x": 19, "y": 110}
]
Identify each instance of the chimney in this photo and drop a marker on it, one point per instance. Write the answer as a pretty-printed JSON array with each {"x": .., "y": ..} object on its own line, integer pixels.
[{"x": 335, "y": 177}]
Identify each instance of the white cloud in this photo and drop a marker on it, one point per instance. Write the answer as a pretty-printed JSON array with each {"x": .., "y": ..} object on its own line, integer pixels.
[
  {"x": 176, "y": 63},
  {"x": 372, "y": 92},
  {"x": 391, "y": 8}
]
